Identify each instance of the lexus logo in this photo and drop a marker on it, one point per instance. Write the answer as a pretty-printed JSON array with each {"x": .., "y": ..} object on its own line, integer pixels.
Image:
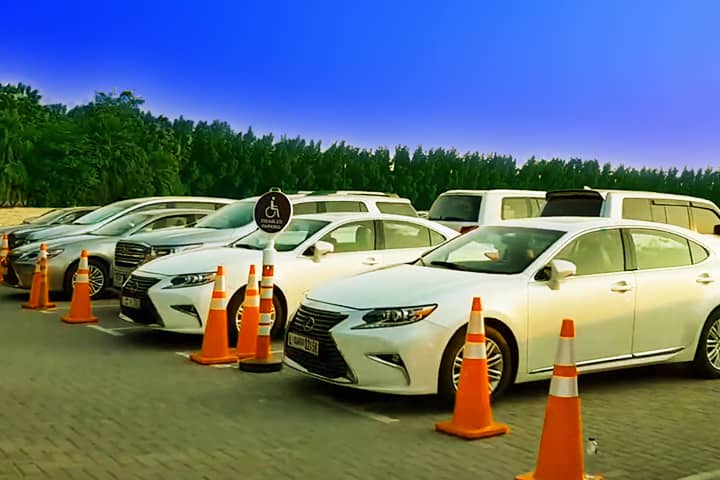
[{"x": 309, "y": 324}]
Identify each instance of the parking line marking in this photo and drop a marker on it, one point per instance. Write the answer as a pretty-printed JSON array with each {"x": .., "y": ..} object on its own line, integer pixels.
[
  {"x": 373, "y": 416},
  {"x": 714, "y": 475},
  {"x": 183, "y": 354},
  {"x": 106, "y": 330}
]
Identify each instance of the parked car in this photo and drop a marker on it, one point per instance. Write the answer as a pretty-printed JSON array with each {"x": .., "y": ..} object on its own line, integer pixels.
[
  {"x": 465, "y": 210},
  {"x": 64, "y": 253},
  {"x": 640, "y": 293},
  {"x": 108, "y": 213},
  {"x": 235, "y": 220},
  {"x": 173, "y": 292},
  {"x": 56, "y": 216}
]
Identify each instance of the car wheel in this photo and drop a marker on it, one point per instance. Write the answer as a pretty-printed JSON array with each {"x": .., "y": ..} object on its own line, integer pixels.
[
  {"x": 500, "y": 364},
  {"x": 707, "y": 356},
  {"x": 234, "y": 312},
  {"x": 97, "y": 274}
]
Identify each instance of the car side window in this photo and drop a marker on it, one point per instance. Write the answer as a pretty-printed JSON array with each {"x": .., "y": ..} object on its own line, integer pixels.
[
  {"x": 352, "y": 237},
  {"x": 595, "y": 253},
  {"x": 397, "y": 208},
  {"x": 436, "y": 238},
  {"x": 698, "y": 253},
  {"x": 705, "y": 220},
  {"x": 168, "y": 222},
  {"x": 637, "y": 209},
  {"x": 514, "y": 208},
  {"x": 304, "y": 208},
  {"x": 656, "y": 249},
  {"x": 678, "y": 215},
  {"x": 344, "y": 206},
  {"x": 405, "y": 235}
]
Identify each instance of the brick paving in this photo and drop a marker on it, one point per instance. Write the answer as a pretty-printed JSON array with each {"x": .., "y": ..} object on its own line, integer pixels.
[{"x": 77, "y": 403}]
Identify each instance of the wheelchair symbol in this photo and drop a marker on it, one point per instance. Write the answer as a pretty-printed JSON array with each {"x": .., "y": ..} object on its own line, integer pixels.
[{"x": 272, "y": 211}]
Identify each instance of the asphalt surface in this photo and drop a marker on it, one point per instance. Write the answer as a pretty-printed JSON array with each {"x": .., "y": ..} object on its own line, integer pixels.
[{"x": 117, "y": 402}]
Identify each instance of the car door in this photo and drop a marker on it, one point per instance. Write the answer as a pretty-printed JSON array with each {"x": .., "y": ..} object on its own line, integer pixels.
[
  {"x": 600, "y": 298},
  {"x": 402, "y": 242},
  {"x": 355, "y": 251},
  {"x": 675, "y": 290}
]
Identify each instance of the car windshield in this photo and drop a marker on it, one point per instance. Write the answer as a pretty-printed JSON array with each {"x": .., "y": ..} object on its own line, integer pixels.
[
  {"x": 105, "y": 212},
  {"x": 232, "y": 216},
  {"x": 47, "y": 218},
  {"x": 296, "y": 233},
  {"x": 455, "y": 208},
  {"x": 122, "y": 225},
  {"x": 492, "y": 249}
]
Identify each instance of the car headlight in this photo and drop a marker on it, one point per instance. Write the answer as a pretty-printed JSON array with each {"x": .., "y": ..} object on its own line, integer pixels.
[
  {"x": 162, "y": 251},
  {"x": 393, "y": 317},
  {"x": 191, "y": 280}
]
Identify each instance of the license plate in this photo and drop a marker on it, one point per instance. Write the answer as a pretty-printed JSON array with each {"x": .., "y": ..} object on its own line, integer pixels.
[
  {"x": 130, "y": 302},
  {"x": 118, "y": 279},
  {"x": 303, "y": 343}
]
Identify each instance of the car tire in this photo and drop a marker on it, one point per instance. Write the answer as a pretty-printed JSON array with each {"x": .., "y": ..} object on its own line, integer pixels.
[
  {"x": 708, "y": 343},
  {"x": 495, "y": 343},
  {"x": 233, "y": 322},
  {"x": 98, "y": 270}
]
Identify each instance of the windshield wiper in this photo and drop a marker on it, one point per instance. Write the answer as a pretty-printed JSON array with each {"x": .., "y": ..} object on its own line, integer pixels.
[{"x": 450, "y": 265}]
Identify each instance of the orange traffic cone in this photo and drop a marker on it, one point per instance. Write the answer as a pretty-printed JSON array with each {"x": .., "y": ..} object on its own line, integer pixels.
[
  {"x": 81, "y": 307},
  {"x": 4, "y": 250},
  {"x": 215, "y": 342},
  {"x": 472, "y": 418},
  {"x": 560, "y": 456},
  {"x": 39, "y": 291},
  {"x": 250, "y": 319},
  {"x": 263, "y": 360}
]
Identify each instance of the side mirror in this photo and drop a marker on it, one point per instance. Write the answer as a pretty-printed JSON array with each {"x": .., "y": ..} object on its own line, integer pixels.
[
  {"x": 559, "y": 270},
  {"x": 321, "y": 248},
  {"x": 716, "y": 229}
]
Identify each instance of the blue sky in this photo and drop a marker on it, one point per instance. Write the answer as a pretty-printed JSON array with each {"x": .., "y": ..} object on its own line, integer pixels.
[{"x": 634, "y": 82}]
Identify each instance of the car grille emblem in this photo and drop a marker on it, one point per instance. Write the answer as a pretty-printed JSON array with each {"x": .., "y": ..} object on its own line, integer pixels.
[{"x": 309, "y": 324}]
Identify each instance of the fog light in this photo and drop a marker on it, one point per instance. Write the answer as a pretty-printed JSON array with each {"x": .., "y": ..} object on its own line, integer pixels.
[{"x": 189, "y": 310}]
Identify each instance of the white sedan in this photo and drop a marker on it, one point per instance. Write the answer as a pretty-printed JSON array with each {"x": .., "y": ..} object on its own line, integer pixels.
[
  {"x": 639, "y": 292},
  {"x": 173, "y": 292}
]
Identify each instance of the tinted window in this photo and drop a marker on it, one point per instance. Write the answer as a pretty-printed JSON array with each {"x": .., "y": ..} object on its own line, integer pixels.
[
  {"x": 705, "y": 219},
  {"x": 456, "y": 208},
  {"x": 339, "y": 206},
  {"x": 678, "y": 215},
  {"x": 596, "y": 252},
  {"x": 536, "y": 206},
  {"x": 574, "y": 206},
  {"x": 397, "y": 208},
  {"x": 436, "y": 238},
  {"x": 353, "y": 237},
  {"x": 655, "y": 249},
  {"x": 405, "y": 235},
  {"x": 234, "y": 215},
  {"x": 170, "y": 222},
  {"x": 515, "y": 208},
  {"x": 305, "y": 208},
  {"x": 637, "y": 209},
  {"x": 698, "y": 253}
]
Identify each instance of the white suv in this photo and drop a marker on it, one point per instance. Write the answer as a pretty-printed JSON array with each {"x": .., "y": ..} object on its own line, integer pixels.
[{"x": 464, "y": 210}]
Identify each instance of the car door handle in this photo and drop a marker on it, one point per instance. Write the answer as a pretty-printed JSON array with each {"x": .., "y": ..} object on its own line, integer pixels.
[
  {"x": 371, "y": 261},
  {"x": 621, "y": 287},
  {"x": 705, "y": 278}
]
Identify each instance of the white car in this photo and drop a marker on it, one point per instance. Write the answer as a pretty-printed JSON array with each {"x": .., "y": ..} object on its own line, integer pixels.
[
  {"x": 173, "y": 292},
  {"x": 639, "y": 292}
]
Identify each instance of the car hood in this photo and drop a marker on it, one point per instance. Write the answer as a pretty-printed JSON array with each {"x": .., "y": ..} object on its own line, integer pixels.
[
  {"x": 60, "y": 231},
  {"x": 185, "y": 236},
  {"x": 205, "y": 260},
  {"x": 86, "y": 242},
  {"x": 405, "y": 285}
]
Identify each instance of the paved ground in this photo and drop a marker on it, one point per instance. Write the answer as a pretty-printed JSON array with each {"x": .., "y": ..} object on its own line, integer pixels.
[{"x": 90, "y": 403}]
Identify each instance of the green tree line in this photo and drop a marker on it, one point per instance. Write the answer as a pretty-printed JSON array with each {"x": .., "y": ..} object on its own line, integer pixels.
[{"x": 110, "y": 149}]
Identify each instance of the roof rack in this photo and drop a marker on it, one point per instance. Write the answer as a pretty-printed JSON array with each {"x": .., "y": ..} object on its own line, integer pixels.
[{"x": 353, "y": 192}]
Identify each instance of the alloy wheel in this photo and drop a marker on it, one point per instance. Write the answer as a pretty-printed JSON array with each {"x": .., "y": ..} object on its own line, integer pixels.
[
  {"x": 96, "y": 278},
  {"x": 712, "y": 345},
  {"x": 495, "y": 361},
  {"x": 238, "y": 318}
]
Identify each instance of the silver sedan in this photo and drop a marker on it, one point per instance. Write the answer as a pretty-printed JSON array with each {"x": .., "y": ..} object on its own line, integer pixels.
[{"x": 64, "y": 253}]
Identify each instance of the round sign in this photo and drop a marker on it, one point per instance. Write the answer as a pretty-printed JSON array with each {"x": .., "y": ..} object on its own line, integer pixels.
[{"x": 273, "y": 212}]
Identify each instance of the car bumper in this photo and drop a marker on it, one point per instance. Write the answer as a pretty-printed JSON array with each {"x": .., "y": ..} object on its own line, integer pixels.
[
  {"x": 145, "y": 300},
  {"x": 20, "y": 275},
  {"x": 402, "y": 360}
]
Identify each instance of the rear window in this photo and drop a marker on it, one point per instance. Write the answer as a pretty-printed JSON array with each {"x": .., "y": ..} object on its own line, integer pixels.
[
  {"x": 456, "y": 208},
  {"x": 572, "y": 206},
  {"x": 397, "y": 208}
]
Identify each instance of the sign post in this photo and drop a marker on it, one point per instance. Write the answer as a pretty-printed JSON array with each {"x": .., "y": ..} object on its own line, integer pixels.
[{"x": 273, "y": 212}]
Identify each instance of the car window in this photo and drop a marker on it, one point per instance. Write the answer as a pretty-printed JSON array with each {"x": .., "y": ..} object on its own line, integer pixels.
[
  {"x": 198, "y": 205},
  {"x": 169, "y": 222},
  {"x": 678, "y": 215},
  {"x": 536, "y": 206},
  {"x": 103, "y": 213},
  {"x": 122, "y": 225},
  {"x": 436, "y": 238},
  {"x": 344, "y": 206},
  {"x": 235, "y": 215},
  {"x": 397, "y": 208},
  {"x": 637, "y": 209},
  {"x": 405, "y": 235},
  {"x": 656, "y": 249},
  {"x": 705, "y": 220},
  {"x": 698, "y": 253},
  {"x": 516, "y": 208},
  {"x": 298, "y": 230},
  {"x": 573, "y": 206},
  {"x": 353, "y": 237},
  {"x": 595, "y": 253},
  {"x": 305, "y": 208},
  {"x": 455, "y": 208}
]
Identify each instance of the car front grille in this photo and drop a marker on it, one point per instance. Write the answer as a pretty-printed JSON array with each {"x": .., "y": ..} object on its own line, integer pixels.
[
  {"x": 329, "y": 362},
  {"x": 130, "y": 255},
  {"x": 137, "y": 287}
]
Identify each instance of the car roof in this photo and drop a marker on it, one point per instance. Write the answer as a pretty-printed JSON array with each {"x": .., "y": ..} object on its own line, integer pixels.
[
  {"x": 341, "y": 216},
  {"x": 501, "y": 191},
  {"x": 629, "y": 193},
  {"x": 178, "y": 198},
  {"x": 345, "y": 195}
]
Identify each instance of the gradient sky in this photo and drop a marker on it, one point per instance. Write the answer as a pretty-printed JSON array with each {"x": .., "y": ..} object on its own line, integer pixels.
[{"x": 633, "y": 82}]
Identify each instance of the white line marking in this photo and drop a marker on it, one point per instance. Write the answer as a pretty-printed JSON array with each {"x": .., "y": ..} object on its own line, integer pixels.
[
  {"x": 130, "y": 328},
  {"x": 714, "y": 475},
  {"x": 224, "y": 365},
  {"x": 356, "y": 411},
  {"x": 106, "y": 330},
  {"x": 183, "y": 354}
]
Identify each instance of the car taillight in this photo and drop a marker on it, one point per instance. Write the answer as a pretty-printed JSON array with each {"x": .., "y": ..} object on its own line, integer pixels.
[{"x": 467, "y": 228}]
